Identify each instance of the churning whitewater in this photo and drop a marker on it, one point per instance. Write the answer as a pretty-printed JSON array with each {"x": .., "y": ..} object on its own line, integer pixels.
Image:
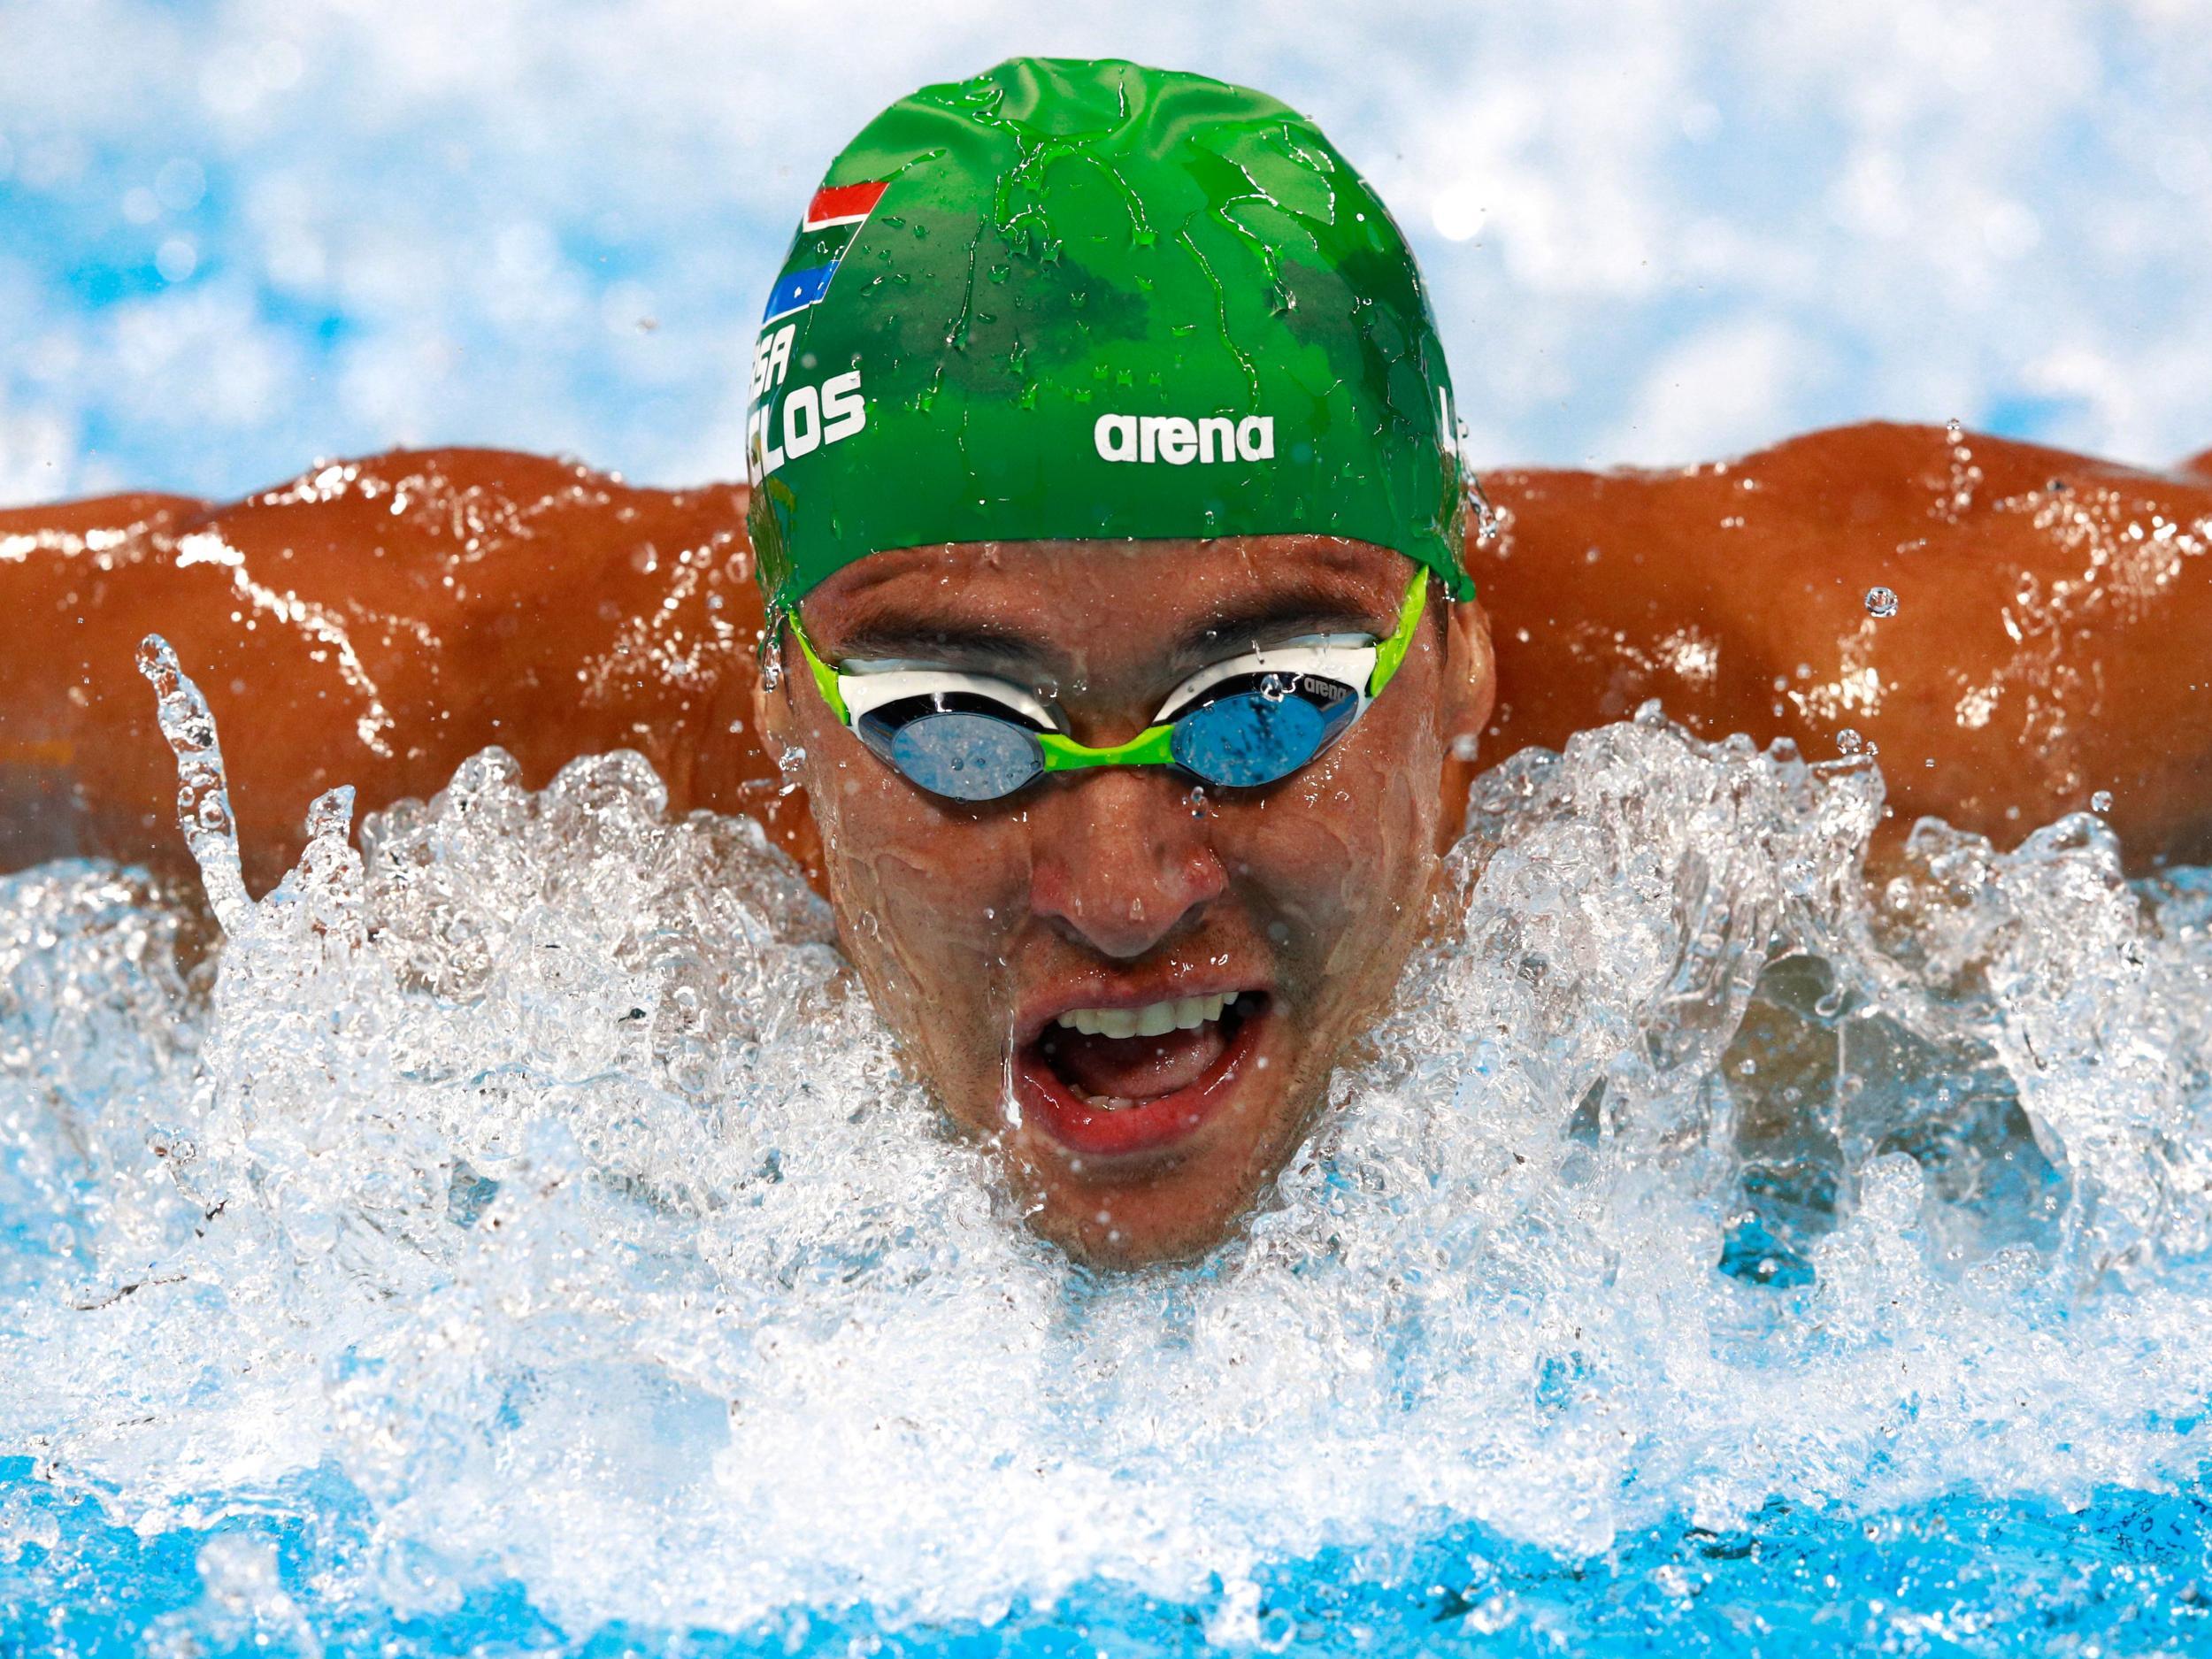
[{"x": 534, "y": 1184}]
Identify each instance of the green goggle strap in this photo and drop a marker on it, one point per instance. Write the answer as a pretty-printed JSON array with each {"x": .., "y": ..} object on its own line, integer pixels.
[
  {"x": 1153, "y": 745},
  {"x": 825, "y": 678}
]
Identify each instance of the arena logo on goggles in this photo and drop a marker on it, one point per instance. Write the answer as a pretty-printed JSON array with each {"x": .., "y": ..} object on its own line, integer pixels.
[{"x": 1179, "y": 440}]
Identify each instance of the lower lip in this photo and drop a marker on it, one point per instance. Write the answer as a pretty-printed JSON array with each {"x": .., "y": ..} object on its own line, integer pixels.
[{"x": 1151, "y": 1126}]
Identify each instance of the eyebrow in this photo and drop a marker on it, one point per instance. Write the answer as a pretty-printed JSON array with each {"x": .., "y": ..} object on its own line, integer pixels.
[
  {"x": 1282, "y": 616},
  {"x": 926, "y": 637},
  {"x": 947, "y": 635}
]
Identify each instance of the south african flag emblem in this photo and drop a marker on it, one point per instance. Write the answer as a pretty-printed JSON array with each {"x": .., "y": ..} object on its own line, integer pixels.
[{"x": 833, "y": 218}]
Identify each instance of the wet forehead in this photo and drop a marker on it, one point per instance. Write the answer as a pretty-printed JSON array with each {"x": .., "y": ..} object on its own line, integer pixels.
[{"x": 1096, "y": 607}]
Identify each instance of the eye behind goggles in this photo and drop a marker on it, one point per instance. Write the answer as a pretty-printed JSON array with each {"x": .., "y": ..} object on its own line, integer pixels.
[
  {"x": 1250, "y": 721},
  {"x": 1253, "y": 730}
]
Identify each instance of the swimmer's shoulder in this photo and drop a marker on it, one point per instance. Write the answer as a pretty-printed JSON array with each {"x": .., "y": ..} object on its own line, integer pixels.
[
  {"x": 1817, "y": 519},
  {"x": 417, "y": 531},
  {"x": 67, "y": 523},
  {"x": 435, "y": 524},
  {"x": 2016, "y": 627},
  {"x": 1879, "y": 472},
  {"x": 372, "y": 621}
]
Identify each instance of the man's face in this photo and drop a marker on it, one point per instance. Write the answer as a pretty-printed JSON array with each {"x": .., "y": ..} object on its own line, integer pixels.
[{"x": 1100, "y": 894}]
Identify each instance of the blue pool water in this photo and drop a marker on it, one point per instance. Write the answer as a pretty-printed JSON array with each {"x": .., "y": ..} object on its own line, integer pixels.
[
  {"x": 233, "y": 236},
  {"x": 520, "y": 1236},
  {"x": 2124, "y": 1573}
]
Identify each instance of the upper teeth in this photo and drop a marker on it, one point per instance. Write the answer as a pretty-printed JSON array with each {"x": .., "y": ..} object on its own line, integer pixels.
[{"x": 1155, "y": 1019}]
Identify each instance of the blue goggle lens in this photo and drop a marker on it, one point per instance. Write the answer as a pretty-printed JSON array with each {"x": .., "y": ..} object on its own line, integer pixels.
[
  {"x": 965, "y": 756},
  {"x": 1237, "y": 739},
  {"x": 1254, "y": 737}
]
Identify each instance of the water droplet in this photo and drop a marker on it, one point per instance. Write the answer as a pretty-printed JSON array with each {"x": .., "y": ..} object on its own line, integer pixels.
[{"x": 1881, "y": 602}]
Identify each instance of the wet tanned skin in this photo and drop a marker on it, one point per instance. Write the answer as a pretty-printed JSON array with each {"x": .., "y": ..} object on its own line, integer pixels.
[
  {"x": 971, "y": 923},
  {"x": 376, "y": 623},
  {"x": 2053, "y": 637}
]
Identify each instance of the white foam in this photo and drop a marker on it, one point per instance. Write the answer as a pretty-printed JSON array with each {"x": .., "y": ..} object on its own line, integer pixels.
[{"x": 544, "y": 1176}]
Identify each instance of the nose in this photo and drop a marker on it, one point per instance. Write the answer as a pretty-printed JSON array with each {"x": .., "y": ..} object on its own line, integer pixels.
[{"x": 1120, "y": 861}]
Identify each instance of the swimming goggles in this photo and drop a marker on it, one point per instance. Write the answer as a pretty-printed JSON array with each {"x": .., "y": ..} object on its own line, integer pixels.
[{"x": 1249, "y": 720}]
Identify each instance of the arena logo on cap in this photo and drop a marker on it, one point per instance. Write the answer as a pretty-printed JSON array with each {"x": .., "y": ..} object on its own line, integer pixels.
[
  {"x": 833, "y": 218},
  {"x": 1179, "y": 440}
]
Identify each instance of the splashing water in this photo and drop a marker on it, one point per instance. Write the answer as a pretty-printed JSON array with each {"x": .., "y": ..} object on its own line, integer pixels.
[{"x": 522, "y": 1226}]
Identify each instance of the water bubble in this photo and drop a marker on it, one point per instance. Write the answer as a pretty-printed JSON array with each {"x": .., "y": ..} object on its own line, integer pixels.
[
  {"x": 2101, "y": 802},
  {"x": 177, "y": 258},
  {"x": 1849, "y": 741},
  {"x": 202, "y": 786},
  {"x": 1881, "y": 602},
  {"x": 791, "y": 761},
  {"x": 1489, "y": 521}
]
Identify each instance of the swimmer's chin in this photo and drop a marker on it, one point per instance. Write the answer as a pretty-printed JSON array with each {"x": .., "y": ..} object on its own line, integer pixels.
[{"x": 1148, "y": 1229}]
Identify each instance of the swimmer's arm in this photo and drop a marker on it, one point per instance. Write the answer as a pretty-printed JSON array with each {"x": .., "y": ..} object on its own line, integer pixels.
[
  {"x": 77, "y": 774},
  {"x": 2052, "y": 640},
  {"x": 371, "y": 624}
]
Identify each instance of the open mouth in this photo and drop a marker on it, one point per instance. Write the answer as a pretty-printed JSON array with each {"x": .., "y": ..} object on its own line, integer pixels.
[{"x": 1109, "y": 1081}]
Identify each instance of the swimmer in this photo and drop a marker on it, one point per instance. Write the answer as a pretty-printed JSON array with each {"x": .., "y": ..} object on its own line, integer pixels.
[{"x": 1109, "y": 582}]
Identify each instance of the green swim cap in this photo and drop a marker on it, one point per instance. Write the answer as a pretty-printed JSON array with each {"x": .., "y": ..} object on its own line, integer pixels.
[{"x": 1071, "y": 299}]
